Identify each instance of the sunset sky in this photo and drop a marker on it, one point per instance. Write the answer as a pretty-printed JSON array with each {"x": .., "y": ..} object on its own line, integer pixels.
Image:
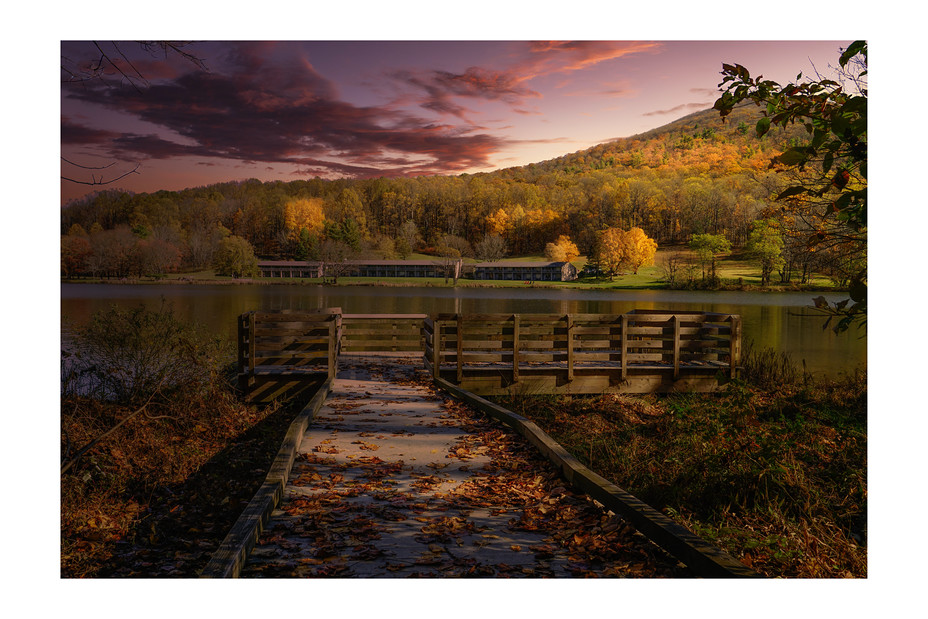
[{"x": 295, "y": 110}]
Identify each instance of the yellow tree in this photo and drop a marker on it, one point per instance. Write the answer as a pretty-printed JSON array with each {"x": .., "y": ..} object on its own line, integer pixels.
[
  {"x": 617, "y": 248},
  {"x": 301, "y": 213},
  {"x": 610, "y": 250},
  {"x": 562, "y": 250},
  {"x": 499, "y": 223},
  {"x": 638, "y": 249}
]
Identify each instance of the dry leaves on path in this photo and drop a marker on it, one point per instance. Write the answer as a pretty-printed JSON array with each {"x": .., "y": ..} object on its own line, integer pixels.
[{"x": 484, "y": 504}]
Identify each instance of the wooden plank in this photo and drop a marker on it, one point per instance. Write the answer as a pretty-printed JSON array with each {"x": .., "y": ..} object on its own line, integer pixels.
[
  {"x": 676, "y": 347},
  {"x": 292, "y": 317},
  {"x": 392, "y": 317}
]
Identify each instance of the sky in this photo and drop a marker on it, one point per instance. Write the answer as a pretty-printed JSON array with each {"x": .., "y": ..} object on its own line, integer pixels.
[{"x": 289, "y": 110}]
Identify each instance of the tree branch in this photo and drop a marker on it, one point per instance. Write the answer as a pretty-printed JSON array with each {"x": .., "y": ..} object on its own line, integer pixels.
[
  {"x": 80, "y": 452},
  {"x": 93, "y": 179}
]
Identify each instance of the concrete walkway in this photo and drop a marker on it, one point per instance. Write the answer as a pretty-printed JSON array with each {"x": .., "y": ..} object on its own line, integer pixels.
[{"x": 396, "y": 479}]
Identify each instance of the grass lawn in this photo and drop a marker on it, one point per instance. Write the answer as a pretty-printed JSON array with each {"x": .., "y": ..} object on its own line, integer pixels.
[{"x": 734, "y": 271}]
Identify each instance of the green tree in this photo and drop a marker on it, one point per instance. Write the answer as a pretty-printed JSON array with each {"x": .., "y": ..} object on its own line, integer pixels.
[
  {"x": 235, "y": 257},
  {"x": 765, "y": 244},
  {"x": 402, "y": 248},
  {"x": 306, "y": 246},
  {"x": 708, "y": 247},
  {"x": 827, "y": 185}
]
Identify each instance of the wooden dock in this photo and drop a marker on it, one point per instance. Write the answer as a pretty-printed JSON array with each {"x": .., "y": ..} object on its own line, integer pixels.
[
  {"x": 643, "y": 351},
  {"x": 370, "y": 366}
]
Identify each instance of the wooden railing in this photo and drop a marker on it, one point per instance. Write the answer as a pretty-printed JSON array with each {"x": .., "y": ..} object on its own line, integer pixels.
[
  {"x": 382, "y": 332},
  {"x": 583, "y": 353},
  {"x": 274, "y": 344},
  {"x": 488, "y": 354}
]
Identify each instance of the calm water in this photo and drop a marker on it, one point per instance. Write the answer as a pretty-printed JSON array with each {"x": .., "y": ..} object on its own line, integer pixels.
[{"x": 781, "y": 321}]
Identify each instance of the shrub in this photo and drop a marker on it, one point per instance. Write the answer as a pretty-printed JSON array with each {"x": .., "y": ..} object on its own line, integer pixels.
[{"x": 126, "y": 355}]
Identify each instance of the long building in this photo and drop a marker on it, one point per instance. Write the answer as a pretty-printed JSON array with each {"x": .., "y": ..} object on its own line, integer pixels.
[
  {"x": 362, "y": 268},
  {"x": 526, "y": 271}
]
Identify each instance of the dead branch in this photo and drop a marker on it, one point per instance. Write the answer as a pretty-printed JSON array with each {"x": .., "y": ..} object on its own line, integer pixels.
[{"x": 80, "y": 452}]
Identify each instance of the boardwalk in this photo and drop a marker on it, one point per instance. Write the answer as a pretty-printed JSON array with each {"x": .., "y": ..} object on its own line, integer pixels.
[{"x": 396, "y": 479}]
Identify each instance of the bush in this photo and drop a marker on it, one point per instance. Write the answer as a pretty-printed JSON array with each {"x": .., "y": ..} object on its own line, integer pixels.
[
  {"x": 126, "y": 355},
  {"x": 235, "y": 257}
]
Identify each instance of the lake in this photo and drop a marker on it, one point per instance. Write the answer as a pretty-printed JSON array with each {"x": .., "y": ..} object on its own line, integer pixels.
[{"x": 782, "y": 321}]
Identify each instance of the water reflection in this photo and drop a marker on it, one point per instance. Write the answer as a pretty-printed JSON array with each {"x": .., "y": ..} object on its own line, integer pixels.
[{"x": 776, "y": 320}]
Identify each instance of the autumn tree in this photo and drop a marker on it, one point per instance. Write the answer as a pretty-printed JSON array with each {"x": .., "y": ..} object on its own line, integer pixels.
[
  {"x": 610, "y": 251},
  {"x": 303, "y": 213},
  {"x": 449, "y": 259},
  {"x": 499, "y": 223},
  {"x": 75, "y": 251},
  {"x": 408, "y": 238},
  {"x": 156, "y": 257},
  {"x": 617, "y": 248},
  {"x": 491, "y": 247},
  {"x": 638, "y": 249},
  {"x": 457, "y": 243},
  {"x": 235, "y": 257},
  {"x": 334, "y": 255},
  {"x": 561, "y": 250}
]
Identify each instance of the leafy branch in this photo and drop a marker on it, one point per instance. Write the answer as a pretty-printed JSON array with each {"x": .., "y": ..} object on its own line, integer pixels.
[{"x": 828, "y": 182}]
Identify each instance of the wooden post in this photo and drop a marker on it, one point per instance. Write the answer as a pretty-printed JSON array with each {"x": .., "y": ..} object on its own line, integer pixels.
[
  {"x": 251, "y": 345},
  {"x": 570, "y": 347},
  {"x": 735, "y": 345},
  {"x": 623, "y": 347},
  {"x": 676, "y": 346},
  {"x": 515, "y": 348},
  {"x": 460, "y": 350},
  {"x": 436, "y": 343},
  {"x": 242, "y": 343},
  {"x": 333, "y": 344}
]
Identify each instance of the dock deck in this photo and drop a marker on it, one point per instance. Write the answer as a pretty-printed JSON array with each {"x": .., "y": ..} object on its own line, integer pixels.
[{"x": 396, "y": 479}]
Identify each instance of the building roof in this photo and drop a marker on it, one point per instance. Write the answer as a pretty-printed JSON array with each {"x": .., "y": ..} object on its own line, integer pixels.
[
  {"x": 520, "y": 264},
  {"x": 287, "y": 263},
  {"x": 315, "y": 263}
]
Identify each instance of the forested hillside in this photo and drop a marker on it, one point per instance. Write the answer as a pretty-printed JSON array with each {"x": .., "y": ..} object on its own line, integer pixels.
[{"x": 694, "y": 176}]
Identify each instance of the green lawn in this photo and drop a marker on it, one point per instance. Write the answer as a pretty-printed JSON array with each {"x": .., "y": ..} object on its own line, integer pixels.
[{"x": 735, "y": 272}]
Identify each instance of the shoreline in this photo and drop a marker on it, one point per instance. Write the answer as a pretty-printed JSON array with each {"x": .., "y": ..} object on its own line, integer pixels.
[{"x": 431, "y": 283}]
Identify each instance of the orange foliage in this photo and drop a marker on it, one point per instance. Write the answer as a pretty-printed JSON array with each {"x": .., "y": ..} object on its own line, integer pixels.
[{"x": 302, "y": 213}]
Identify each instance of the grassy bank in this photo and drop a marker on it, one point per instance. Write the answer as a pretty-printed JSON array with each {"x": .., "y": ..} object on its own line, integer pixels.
[
  {"x": 735, "y": 273},
  {"x": 773, "y": 470}
]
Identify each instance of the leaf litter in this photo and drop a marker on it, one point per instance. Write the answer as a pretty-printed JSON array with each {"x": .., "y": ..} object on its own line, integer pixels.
[{"x": 486, "y": 506}]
